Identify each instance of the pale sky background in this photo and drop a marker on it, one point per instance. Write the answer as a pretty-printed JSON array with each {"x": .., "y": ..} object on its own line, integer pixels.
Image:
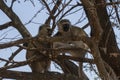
[{"x": 25, "y": 11}]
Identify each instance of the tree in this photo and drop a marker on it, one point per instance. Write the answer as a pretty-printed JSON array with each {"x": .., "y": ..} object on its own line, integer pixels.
[{"x": 98, "y": 15}]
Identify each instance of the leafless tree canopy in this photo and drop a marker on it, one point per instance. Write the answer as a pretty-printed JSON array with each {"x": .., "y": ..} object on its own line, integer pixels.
[{"x": 100, "y": 20}]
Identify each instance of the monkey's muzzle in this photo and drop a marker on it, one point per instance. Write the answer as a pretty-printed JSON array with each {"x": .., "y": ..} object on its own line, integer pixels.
[
  {"x": 49, "y": 31},
  {"x": 66, "y": 27}
]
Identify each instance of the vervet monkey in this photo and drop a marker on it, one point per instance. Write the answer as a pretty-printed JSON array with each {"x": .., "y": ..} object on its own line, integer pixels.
[
  {"x": 66, "y": 30},
  {"x": 43, "y": 64}
]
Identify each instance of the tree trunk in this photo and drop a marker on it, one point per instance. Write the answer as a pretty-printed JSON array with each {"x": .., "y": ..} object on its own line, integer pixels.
[{"x": 108, "y": 45}]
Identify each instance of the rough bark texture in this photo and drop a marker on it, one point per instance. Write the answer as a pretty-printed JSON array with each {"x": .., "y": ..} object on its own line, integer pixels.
[
  {"x": 108, "y": 40},
  {"x": 36, "y": 76},
  {"x": 96, "y": 32}
]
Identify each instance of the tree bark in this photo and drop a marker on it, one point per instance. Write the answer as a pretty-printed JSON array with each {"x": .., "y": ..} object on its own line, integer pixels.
[
  {"x": 36, "y": 76},
  {"x": 108, "y": 45}
]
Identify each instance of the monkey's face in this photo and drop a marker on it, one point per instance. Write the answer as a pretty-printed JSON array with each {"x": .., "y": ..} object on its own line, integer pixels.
[
  {"x": 64, "y": 25},
  {"x": 45, "y": 30},
  {"x": 49, "y": 31}
]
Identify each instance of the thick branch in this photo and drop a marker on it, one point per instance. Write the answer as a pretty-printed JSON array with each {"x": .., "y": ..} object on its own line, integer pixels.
[
  {"x": 26, "y": 40},
  {"x": 108, "y": 40},
  {"x": 36, "y": 76},
  {"x": 96, "y": 33},
  {"x": 6, "y": 25},
  {"x": 79, "y": 59},
  {"x": 96, "y": 30},
  {"x": 108, "y": 4},
  {"x": 14, "y": 43}
]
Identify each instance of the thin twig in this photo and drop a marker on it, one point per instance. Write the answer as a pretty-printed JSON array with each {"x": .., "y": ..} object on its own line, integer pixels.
[
  {"x": 13, "y": 55},
  {"x": 6, "y": 25}
]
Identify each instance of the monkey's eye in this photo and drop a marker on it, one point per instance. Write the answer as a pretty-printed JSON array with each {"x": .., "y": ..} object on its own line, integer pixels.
[{"x": 66, "y": 27}]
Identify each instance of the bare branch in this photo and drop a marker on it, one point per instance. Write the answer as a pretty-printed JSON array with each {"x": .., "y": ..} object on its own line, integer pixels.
[
  {"x": 46, "y": 6},
  {"x": 117, "y": 14},
  {"x": 108, "y": 4},
  {"x": 30, "y": 76},
  {"x": 13, "y": 55},
  {"x": 78, "y": 59},
  {"x": 6, "y": 25},
  {"x": 96, "y": 29},
  {"x": 35, "y": 15},
  {"x": 15, "y": 19},
  {"x": 12, "y": 3},
  {"x": 53, "y": 12},
  {"x": 68, "y": 11},
  {"x": 13, "y": 43},
  {"x": 18, "y": 64},
  {"x": 85, "y": 26}
]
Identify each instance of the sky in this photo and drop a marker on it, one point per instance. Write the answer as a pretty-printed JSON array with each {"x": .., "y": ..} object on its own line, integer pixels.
[{"x": 26, "y": 11}]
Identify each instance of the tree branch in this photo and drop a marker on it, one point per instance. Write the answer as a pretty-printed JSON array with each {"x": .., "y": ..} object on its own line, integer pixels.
[
  {"x": 96, "y": 29},
  {"x": 53, "y": 11},
  {"x": 15, "y": 19},
  {"x": 6, "y": 25},
  {"x": 36, "y": 76},
  {"x": 96, "y": 33},
  {"x": 13, "y": 55}
]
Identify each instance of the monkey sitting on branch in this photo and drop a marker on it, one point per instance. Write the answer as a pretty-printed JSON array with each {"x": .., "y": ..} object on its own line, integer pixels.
[
  {"x": 43, "y": 63},
  {"x": 66, "y": 30}
]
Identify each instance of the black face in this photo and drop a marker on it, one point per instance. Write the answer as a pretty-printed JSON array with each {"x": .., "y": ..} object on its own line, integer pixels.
[
  {"x": 66, "y": 27},
  {"x": 49, "y": 31}
]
